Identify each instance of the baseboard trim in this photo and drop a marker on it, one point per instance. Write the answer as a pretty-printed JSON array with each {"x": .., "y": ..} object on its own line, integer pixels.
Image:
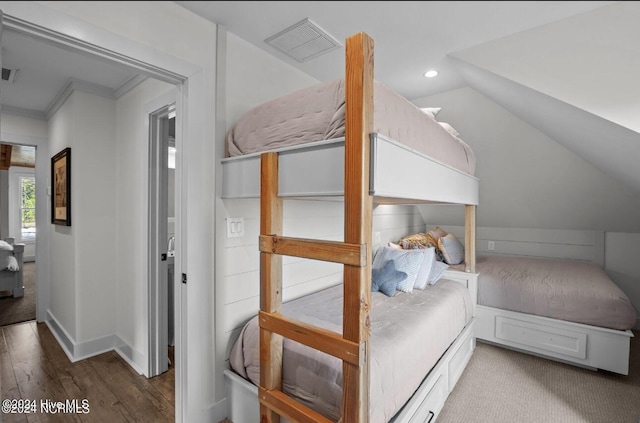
[
  {"x": 61, "y": 335},
  {"x": 216, "y": 412},
  {"x": 135, "y": 359},
  {"x": 79, "y": 351}
]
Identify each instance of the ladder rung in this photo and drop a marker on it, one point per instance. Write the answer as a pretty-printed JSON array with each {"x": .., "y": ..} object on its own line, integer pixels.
[
  {"x": 317, "y": 338},
  {"x": 286, "y": 406},
  {"x": 334, "y": 251}
]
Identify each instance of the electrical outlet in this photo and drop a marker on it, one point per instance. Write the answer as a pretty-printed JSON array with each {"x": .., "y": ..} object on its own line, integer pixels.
[
  {"x": 235, "y": 227},
  {"x": 491, "y": 245},
  {"x": 376, "y": 237}
]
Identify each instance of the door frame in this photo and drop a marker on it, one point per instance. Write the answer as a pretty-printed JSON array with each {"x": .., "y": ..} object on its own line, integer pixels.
[
  {"x": 47, "y": 24},
  {"x": 158, "y": 112}
]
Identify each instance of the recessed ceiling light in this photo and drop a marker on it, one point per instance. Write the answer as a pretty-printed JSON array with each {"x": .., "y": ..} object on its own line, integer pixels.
[{"x": 431, "y": 73}]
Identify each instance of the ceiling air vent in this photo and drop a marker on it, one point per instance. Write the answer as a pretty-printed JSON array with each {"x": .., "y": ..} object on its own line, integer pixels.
[
  {"x": 9, "y": 74},
  {"x": 303, "y": 41}
]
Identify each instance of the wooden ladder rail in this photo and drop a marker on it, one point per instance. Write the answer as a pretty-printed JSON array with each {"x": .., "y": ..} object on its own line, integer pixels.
[{"x": 352, "y": 347}]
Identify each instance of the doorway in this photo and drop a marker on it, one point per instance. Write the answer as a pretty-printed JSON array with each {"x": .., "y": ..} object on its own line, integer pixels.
[
  {"x": 18, "y": 228},
  {"x": 162, "y": 241}
]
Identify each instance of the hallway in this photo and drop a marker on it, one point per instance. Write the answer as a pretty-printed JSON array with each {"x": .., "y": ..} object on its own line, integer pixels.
[{"x": 34, "y": 367}]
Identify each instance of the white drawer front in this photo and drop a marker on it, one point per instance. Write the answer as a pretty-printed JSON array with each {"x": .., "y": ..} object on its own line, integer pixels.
[
  {"x": 459, "y": 360},
  {"x": 555, "y": 340},
  {"x": 433, "y": 402}
]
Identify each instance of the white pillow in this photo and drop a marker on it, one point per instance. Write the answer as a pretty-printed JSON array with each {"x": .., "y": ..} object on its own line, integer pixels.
[
  {"x": 449, "y": 129},
  {"x": 424, "y": 275},
  {"x": 437, "y": 270},
  {"x": 433, "y": 111},
  {"x": 4, "y": 245}
]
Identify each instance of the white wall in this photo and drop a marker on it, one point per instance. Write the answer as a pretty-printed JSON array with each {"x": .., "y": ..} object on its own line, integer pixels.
[
  {"x": 23, "y": 126},
  {"x": 156, "y": 33},
  {"x": 527, "y": 179},
  {"x": 599, "y": 75},
  {"x": 93, "y": 202},
  {"x": 131, "y": 173},
  {"x": 82, "y": 294},
  {"x": 62, "y": 252},
  {"x": 252, "y": 77}
]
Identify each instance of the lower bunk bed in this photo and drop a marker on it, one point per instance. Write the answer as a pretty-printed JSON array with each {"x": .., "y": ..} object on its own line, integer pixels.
[{"x": 421, "y": 341}]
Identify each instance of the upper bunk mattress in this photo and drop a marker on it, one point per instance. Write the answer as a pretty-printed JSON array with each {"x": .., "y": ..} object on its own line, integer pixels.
[
  {"x": 318, "y": 113},
  {"x": 567, "y": 290},
  {"x": 409, "y": 333}
]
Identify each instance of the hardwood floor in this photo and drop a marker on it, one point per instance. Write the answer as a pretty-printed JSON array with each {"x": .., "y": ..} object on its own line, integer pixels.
[{"x": 34, "y": 367}]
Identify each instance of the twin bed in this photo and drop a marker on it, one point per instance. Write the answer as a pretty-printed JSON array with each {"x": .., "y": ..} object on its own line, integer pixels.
[{"x": 346, "y": 353}]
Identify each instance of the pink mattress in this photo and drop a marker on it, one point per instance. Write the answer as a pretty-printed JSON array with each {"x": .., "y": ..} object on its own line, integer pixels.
[
  {"x": 318, "y": 113},
  {"x": 409, "y": 333},
  {"x": 567, "y": 290}
]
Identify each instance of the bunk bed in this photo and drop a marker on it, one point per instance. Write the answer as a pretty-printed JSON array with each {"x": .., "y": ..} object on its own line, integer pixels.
[
  {"x": 362, "y": 167},
  {"x": 545, "y": 292}
]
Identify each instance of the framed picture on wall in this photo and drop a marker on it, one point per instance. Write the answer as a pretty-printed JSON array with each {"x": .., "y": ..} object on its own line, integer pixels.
[{"x": 61, "y": 192}]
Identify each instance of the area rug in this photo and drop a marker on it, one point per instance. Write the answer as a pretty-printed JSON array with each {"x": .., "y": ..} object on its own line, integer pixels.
[{"x": 16, "y": 310}]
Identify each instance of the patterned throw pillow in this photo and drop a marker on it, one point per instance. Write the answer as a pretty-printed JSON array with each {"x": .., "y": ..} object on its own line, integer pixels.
[
  {"x": 437, "y": 233},
  {"x": 419, "y": 240},
  {"x": 452, "y": 249},
  {"x": 386, "y": 279},
  {"x": 405, "y": 261}
]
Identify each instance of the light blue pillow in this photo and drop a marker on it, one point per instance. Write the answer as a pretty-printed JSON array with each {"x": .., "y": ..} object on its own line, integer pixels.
[
  {"x": 452, "y": 249},
  {"x": 405, "y": 260},
  {"x": 386, "y": 279}
]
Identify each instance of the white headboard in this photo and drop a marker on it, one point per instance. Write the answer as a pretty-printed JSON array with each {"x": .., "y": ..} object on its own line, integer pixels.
[{"x": 583, "y": 245}]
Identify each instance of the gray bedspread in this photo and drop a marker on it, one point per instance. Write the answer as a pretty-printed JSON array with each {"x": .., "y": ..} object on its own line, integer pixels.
[
  {"x": 567, "y": 290},
  {"x": 410, "y": 332},
  {"x": 318, "y": 113}
]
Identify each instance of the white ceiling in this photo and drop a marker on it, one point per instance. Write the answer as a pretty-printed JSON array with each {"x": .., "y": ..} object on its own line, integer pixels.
[
  {"x": 410, "y": 37},
  {"x": 44, "y": 70}
]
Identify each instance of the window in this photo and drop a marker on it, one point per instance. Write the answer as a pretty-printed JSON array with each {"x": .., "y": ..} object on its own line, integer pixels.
[{"x": 27, "y": 216}]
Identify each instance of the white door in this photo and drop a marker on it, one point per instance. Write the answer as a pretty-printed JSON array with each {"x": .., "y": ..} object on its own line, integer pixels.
[{"x": 161, "y": 238}]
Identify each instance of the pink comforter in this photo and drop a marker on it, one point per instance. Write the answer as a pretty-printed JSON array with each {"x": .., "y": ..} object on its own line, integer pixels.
[
  {"x": 318, "y": 113},
  {"x": 567, "y": 290},
  {"x": 409, "y": 333}
]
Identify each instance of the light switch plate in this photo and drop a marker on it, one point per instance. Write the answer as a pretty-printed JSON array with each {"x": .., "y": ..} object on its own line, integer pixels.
[{"x": 235, "y": 227}]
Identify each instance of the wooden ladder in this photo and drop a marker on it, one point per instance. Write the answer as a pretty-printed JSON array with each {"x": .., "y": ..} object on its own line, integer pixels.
[{"x": 352, "y": 346}]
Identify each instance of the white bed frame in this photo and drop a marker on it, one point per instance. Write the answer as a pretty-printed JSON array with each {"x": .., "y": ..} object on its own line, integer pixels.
[
  {"x": 583, "y": 345},
  {"x": 425, "y": 404},
  {"x": 316, "y": 170}
]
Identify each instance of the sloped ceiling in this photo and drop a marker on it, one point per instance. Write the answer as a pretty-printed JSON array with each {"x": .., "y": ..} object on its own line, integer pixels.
[{"x": 575, "y": 80}]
